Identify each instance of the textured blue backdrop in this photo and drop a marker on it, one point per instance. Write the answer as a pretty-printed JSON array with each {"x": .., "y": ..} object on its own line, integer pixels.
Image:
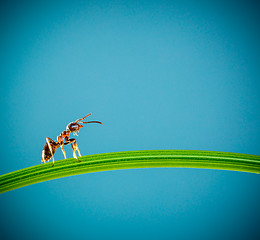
[{"x": 160, "y": 75}]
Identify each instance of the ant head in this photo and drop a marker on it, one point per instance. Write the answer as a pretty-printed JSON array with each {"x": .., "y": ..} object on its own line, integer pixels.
[{"x": 73, "y": 127}]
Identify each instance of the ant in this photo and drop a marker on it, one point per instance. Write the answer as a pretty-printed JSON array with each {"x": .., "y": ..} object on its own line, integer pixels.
[{"x": 51, "y": 146}]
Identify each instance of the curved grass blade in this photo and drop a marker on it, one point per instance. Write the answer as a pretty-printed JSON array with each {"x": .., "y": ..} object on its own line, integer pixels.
[{"x": 130, "y": 160}]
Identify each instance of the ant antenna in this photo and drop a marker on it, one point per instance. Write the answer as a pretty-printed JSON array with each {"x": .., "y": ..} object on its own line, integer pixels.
[
  {"x": 83, "y": 118},
  {"x": 92, "y": 122}
]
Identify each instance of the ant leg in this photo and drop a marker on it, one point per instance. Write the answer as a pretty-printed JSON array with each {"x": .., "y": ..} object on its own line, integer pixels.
[
  {"x": 63, "y": 151},
  {"x": 43, "y": 157},
  {"x": 74, "y": 151},
  {"x": 77, "y": 148},
  {"x": 48, "y": 142},
  {"x": 71, "y": 141},
  {"x": 43, "y": 161}
]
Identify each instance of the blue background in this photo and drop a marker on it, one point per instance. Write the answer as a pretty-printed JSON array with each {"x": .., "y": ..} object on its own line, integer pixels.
[{"x": 160, "y": 75}]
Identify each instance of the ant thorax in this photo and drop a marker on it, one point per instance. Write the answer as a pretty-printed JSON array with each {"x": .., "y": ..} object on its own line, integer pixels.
[{"x": 60, "y": 138}]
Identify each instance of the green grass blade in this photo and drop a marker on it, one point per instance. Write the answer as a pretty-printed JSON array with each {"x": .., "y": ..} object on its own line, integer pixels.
[{"x": 130, "y": 160}]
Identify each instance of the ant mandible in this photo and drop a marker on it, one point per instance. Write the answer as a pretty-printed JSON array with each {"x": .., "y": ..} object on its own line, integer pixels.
[{"x": 51, "y": 146}]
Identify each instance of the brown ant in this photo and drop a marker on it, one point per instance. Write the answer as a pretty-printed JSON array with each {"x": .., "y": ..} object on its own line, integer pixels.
[{"x": 51, "y": 146}]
